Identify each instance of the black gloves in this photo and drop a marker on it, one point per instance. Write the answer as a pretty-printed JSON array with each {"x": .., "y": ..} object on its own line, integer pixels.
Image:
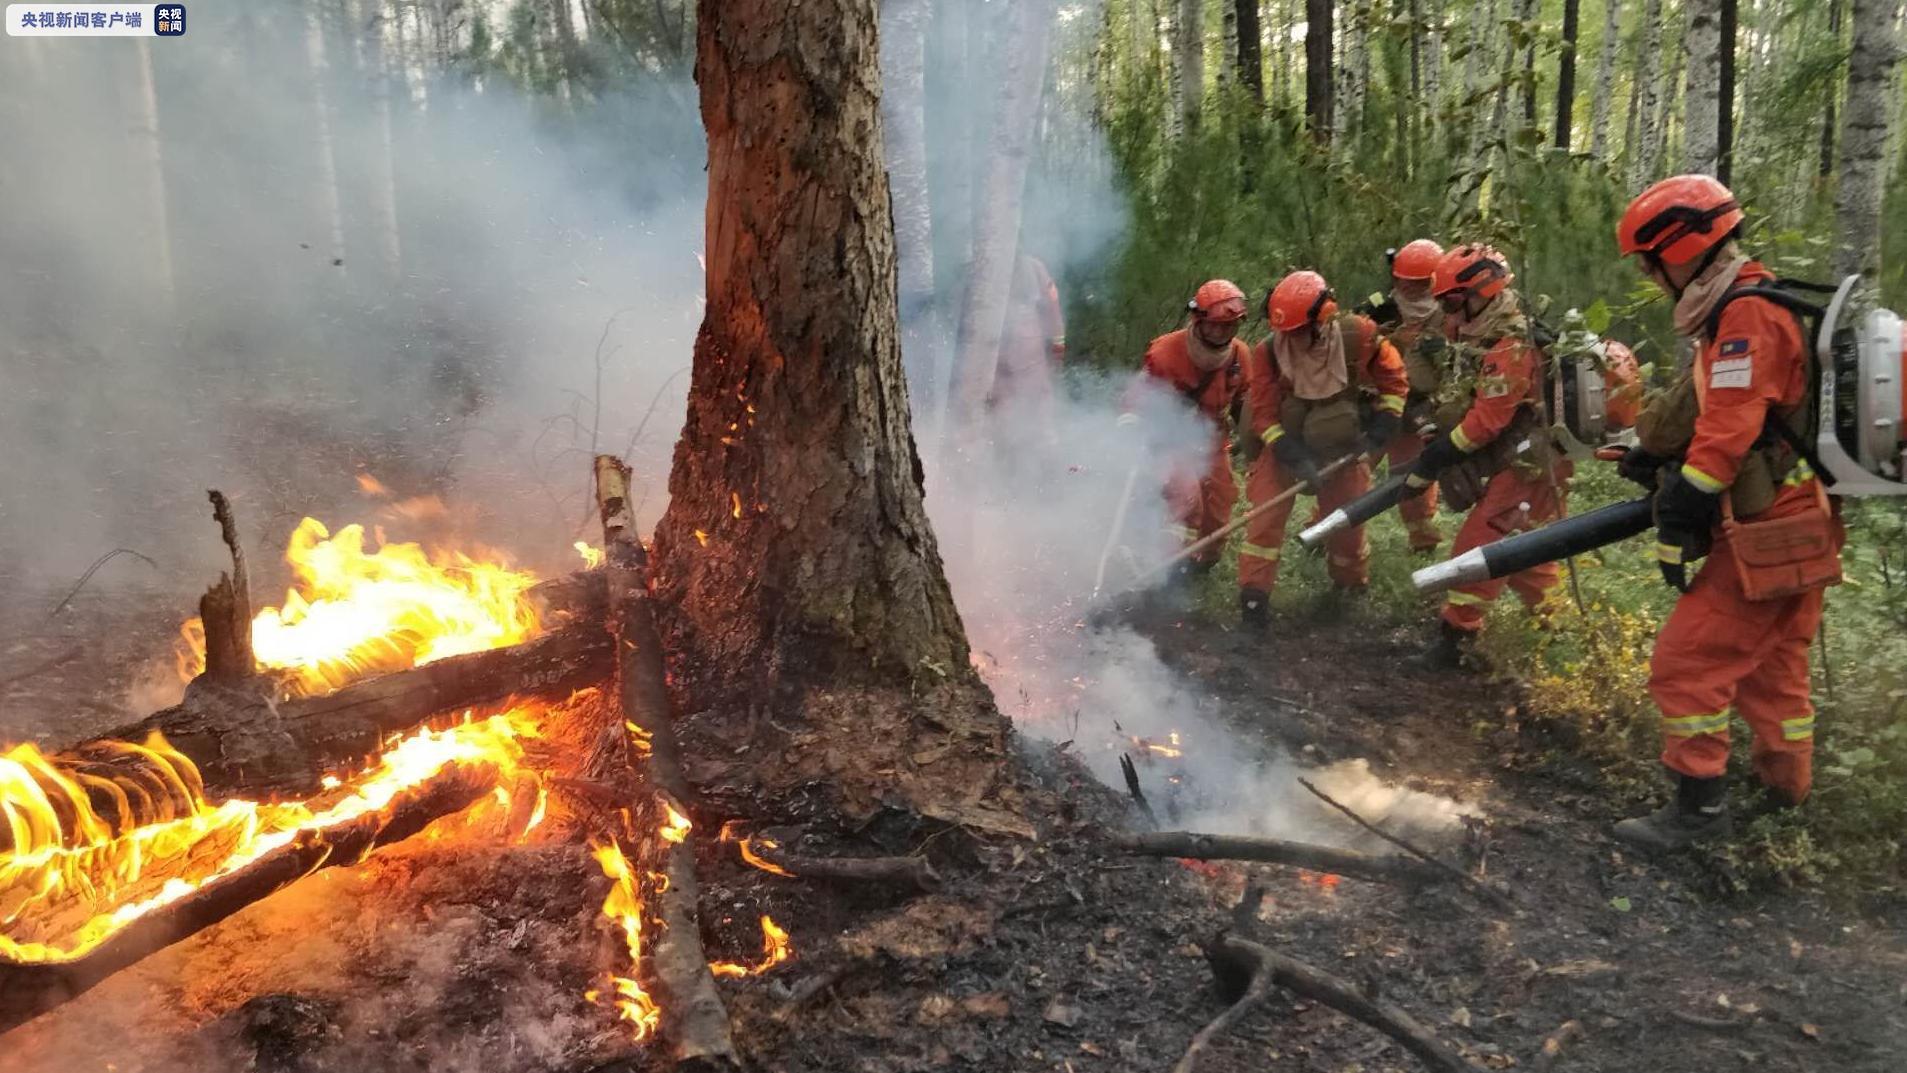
[
  {"x": 1384, "y": 427},
  {"x": 1295, "y": 459},
  {"x": 1640, "y": 466},
  {"x": 1439, "y": 455},
  {"x": 1685, "y": 518}
]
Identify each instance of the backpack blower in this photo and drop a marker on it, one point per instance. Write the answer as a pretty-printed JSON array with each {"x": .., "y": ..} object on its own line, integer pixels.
[{"x": 1859, "y": 447}]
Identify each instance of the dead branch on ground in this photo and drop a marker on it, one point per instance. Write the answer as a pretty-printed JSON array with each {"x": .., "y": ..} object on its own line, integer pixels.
[
  {"x": 1203, "y": 847},
  {"x": 1469, "y": 882},
  {"x": 768, "y": 855}
]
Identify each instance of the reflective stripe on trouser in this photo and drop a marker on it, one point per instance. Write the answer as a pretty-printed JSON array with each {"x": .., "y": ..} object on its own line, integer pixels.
[
  {"x": 1201, "y": 502},
  {"x": 1347, "y": 553},
  {"x": 1510, "y": 504},
  {"x": 1720, "y": 650},
  {"x": 1420, "y": 513}
]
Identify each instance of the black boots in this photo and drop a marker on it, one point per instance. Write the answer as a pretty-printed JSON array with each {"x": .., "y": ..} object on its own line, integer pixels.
[
  {"x": 1699, "y": 811},
  {"x": 1254, "y": 610}
]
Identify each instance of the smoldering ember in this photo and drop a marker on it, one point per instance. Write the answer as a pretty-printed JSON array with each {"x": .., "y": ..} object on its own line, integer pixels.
[{"x": 622, "y": 535}]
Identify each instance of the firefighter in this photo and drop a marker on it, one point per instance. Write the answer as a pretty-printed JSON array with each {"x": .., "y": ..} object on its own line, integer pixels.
[
  {"x": 1202, "y": 362},
  {"x": 1740, "y": 494},
  {"x": 1410, "y": 318},
  {"x": 1320, "y": 387},
  {"x": 1032, "y": 342},
  {"x": 1498, "y": 459}
]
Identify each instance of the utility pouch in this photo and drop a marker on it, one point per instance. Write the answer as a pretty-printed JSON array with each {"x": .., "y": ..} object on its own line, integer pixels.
[
  {"x": 1783, "y": 557},
  {"x": 1331, "y": 428},
  {"x": 1523, "y": 441}
]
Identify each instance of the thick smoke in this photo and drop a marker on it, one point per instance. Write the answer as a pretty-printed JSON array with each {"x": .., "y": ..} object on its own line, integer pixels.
[{"x": 266, "y": 269}]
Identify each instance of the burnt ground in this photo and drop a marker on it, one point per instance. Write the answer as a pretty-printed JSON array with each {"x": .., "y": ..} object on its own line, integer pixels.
[{"x": 463, "y": 953}]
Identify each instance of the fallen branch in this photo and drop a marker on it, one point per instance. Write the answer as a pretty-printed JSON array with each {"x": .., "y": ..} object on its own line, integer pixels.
[
  {"x": 1257, "y": 993},
  {"x": 1344, "y": 862},
  {"x": 1236, "y": 959},
  {"x": 694, "y": 1020},
  {"x": 1565, "y": 1033},
  {"x": 30, "y": 989},
  {"x": 94, "y": 569},
  {"x": 767, "y": 854},
  {"x": 1469, "y": 882}
]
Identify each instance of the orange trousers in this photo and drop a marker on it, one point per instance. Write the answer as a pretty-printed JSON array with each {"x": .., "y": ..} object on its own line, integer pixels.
[
  {"x": 1201, "y": 503},
  {"x": 1511, "y": 504},
  {"x": 1420, "y": 514},
  {"x": 1720, "y": 650},
  {"x": 1347, "y": 554}
]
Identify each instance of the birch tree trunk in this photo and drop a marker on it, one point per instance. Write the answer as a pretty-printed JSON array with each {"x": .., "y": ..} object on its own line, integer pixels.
[
  {"x": 1725, "y": 98},
  {"x": 330, "y": 205},
  {"x": 1665, "y": 114},
  {"x": 1605, "y": 79},
  {"x": 1829, "y": 127},
  {"x": 1318, "y": 75},
  {"x": 1566, "y": 77},
  {"x": 1190, "y": 44},
  {"x": 1432, "y": 11},
  {"x": 1282, "y": 23},
  {"x": 1228, "y": 47},
  {"x": 903, "y": 36},
  {"x": 1864, "y": 137},
  {"x": 149, "y": 149},
  {"x": 1356, "y": 71},
  {"x": 796, "y": 562},
  {"x": 997, "y": 213},
  {"x": 1701, "y": 143},
  {"x": 1648, "y": 89}
]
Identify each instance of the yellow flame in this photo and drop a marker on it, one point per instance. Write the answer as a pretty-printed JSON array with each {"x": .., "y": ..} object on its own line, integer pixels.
[
  {"x": 66, "y": 859},
  {"x": 701, "y": 538},
  {"x": 735, "y": 501},
  {"x": 623, "y": 907},
  {"x": 352, "y": 612},
  {"x": 592, "y": 556},
  {"x": 677, "y": 827},
  {"x": 749, "y": 855},
  {"x": 775, "y": 949}
]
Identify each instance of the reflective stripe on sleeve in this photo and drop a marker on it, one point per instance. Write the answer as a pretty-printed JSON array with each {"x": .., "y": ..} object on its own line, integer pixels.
[
  {"x": 1463, "y": 442},
  {"x": 1273, "y": 433},
  {"x": 1701, "y": 480},
  {"x": 1391, "y": 404}
]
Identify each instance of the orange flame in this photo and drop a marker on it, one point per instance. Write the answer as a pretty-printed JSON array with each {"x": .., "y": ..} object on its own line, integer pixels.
[
  {"x": 775, "y": 949},
  {"x": 736, "y": 504},
  {"x": 71, "y": 880},
  {"x": 352, "y": 612},
  {"x": 623, "y": 906},
  {"x": 592, "y": 556},
  {"x": 747, "y": 848},
  {"x": 676, "y": 828}
]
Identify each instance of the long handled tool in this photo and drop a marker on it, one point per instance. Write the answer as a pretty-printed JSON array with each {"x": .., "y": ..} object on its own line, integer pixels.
[
  {"x": 1118, "y": 526},
  {"x": 1229, "y": 528}
]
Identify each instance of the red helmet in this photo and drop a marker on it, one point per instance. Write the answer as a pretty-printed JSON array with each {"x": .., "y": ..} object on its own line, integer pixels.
[
  {"x": 1416, "y": 260},
  {"x": 1471, "y": 270},
  {"x": 1300, "y": 298},
  {"x": 1218, "y": 299},
  {"x": 1679, "y": 219}
]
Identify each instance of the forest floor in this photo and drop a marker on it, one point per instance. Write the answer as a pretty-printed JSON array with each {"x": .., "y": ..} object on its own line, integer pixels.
[{"x": 1055, "y": 955}]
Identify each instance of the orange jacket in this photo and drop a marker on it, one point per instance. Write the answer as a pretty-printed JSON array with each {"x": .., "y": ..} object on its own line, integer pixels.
[
  {"x": 1506, "y": 382},
  {"x": 1168, "y": 360},
  {"x": 1375, "y": 366},
  {"x": 1756, "y": 361}
]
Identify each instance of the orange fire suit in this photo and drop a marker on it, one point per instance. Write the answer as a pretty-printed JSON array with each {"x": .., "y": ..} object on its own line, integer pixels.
[
  {"x": 1031, "y": 341},
  {"x": 1375, "y": 369},
  {"x": 1200, "y": 498},
  {"x": 1719, "y": 649},
  {"x": 1515, "y": 499}
]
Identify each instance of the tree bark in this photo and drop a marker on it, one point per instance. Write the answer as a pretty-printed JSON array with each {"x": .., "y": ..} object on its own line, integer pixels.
[
  {"x": 1605, "y": 79},
  {"x": 1526, "y": 22},
  {"x": 996, "y": 232},
  {"x": 1648, "y": 83},
  {"x": 1666, "y": 112},
  {"x": 1566, "y": 77},
  {"x": 1864, "y": 138},
  {"x": 1432, "y": 101},
  {"x": 904, "y": 110},
  {"x": 1318, "y": 76},
  {"x": 1725, "y": 100},
  {"x": 1829, "y": 126},
  {"x": 1189, "y": 44},
  {"x": 1702, "y": 114},
  {"x": 795, "y": 559},
  {"x": 1251, "y": 57},
  {"x": 330, "y": 204}
]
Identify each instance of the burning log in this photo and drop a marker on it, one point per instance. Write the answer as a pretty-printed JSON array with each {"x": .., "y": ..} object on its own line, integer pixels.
[
  {"x": 1204, "y": 847},
  {"x": 241, "y": 744},
  {"x": 768, "y": 855},
  {"x": 30, "y": 989},
  {"x": 695, "y": 1020}
]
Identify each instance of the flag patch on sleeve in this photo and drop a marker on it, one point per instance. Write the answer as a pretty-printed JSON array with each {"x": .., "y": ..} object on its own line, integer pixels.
[
  {"x": 1732, "y": 372},
  {"x": 1732, "y": 347}
]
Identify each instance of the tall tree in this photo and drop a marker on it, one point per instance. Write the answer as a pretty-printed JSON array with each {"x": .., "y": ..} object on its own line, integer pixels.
[
  {"x": 1647, "y": 74},
  {"x": 1725, "y": 102},
  {"x": 1605, "y": 79},
  {"x": 1433, "y": 31},
  {"x": 904, "y": 111},
  {"x": 1701, "y": 118},
  {"x": 149, "y": 150},
  {"x": 1566, "y": 78},
  {"x": 996, "y": 225},
  {"x": 1228, "y": 47},
  {"x": 1864, "y": 137},
  {"x": 1318, "y": 74},
  {"x": 1828, "y": 126},
  {"x": 795, "y": 561},
  {"x": 330, "y": 206},
  {"x": 1251, "y": 61},
  {"x": 1189, "y": 44},
  {"x": 1355, "y": 74},
  {"x": 1526, "y": 28}
]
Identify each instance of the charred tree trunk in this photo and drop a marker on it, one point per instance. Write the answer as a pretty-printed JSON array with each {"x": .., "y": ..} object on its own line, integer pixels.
[
  {"x": 1864, "y": 139},
  {"x": 1566, "y": 77},
  {"x": 226, "y": 609},
  {"x": 796, "y": 556},
  {"x": 1318, "y": 78}
]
